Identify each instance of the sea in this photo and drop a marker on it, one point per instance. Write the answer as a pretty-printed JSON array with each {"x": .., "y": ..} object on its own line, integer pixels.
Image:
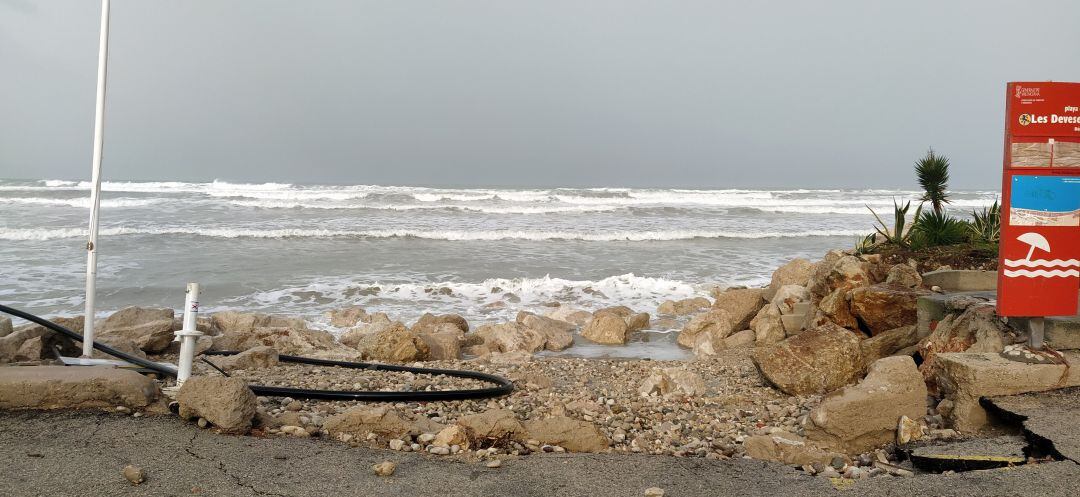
[{"x": 484, "y": 253}]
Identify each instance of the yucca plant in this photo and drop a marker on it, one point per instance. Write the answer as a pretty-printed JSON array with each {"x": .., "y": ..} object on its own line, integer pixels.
[
  {"x": 985, "y": 226},
  {"x": 864, "y": 244},
  {"x": 934, "y": 229},
  {"x": 900, "y": 234},
  {"x": 932, "y": 172}
]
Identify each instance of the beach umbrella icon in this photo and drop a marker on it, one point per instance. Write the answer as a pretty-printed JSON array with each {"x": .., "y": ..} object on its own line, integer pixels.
[{"x": 1036, "y": 241}]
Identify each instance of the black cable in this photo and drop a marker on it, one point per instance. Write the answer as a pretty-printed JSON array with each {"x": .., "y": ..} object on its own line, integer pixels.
[{"x": 502, "y": 386}]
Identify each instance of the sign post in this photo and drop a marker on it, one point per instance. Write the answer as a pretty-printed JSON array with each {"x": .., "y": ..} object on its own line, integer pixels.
[{"x": 1039, "y": 255}]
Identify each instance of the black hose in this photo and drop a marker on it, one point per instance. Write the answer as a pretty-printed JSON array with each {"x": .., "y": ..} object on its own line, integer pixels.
[{"x": 502, "y": 386}]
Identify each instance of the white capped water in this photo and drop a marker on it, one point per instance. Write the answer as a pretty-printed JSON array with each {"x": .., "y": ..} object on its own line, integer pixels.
[{"x": 304, "y": 249}]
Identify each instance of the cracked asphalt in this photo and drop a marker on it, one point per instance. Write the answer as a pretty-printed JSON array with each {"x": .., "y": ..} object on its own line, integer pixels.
[{"x": 81, "y": 454}]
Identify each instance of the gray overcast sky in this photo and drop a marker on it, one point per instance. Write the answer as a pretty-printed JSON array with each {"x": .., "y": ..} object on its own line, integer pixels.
[{"x": 540, "y": 93}]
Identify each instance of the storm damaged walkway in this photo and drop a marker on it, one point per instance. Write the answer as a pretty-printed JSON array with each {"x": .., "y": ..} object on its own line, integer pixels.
[
  {"x": 82, "y": 453},
  {"x": 1050, "y": 419}
]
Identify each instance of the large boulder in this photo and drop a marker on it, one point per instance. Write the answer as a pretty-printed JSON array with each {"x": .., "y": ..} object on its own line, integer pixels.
[
  {"x": 887, "y": 343},
  {"x": 375, "y": 323},
  {"x": 5, "y": 326},
  {"x": 243, "y": 322},
  {"x": 716, "y": 322},
  {"x": 787, "y": 448},
  {"x": 150, "y": 329},
  {"x": 815, "y": 361},
  {"x": 795, "y": 272},
  {"x": 840, "y": 272},
  {"x": 885, "y": 307},
  {"x": 709, "y": 344},
  {"x": 558, "y": 334},
  {"x": 348, "y": 316},
  {"x": 572, "y": 315},
  {"x": 768, "y": 326},
  {"x": 227, "y": 403},
  {"x": 683, "y": 307},
  {"x": 741, "y": 305},
  {"x": 862, "y": 417},
  {"x": 428, "y": 323},
  {"x": 442, "y": 346},
  {"x": 286, "y": 340},
  {"x": 904, "y": 275},
  {"x": 668, "y": 381},
  {"x": 511, "y": 337},
  {"x": 395, "y": 343},
  {"x": 835, "y": 308},
  {"x": 253, "y": 358},
  {"x": 976, "y": 329},
  {"x": 492, "y": 425},
  {"x": 788, "y": 295},
  {"x": 381, "y": 420},
  {"x": 606, "y": 328},
  {"x": 61, "y": 387},
  {"x": 34, "y": 343},
  {"x": 569, "y": 433}
]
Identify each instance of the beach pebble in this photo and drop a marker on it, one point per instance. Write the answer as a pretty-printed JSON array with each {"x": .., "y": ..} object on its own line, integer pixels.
[
  {"x": 654, "y": 492},
  {"x": 385, "y": 468},
  {"x": 133, "y": 474},
  {"x": 494, "y": 463}
]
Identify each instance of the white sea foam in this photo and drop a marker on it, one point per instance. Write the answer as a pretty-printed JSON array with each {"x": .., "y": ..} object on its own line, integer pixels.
[
  {"x": 449, "y": 235},
  {"x": 82, "y": 202}
]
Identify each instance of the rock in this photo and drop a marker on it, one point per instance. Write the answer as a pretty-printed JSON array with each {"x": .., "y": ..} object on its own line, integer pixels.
[
  {"x": 818, "y": 360},
  {"x": 5, "y": 326},
  {"x": 977, "y": 329},
  {"x": 347, "y": 317},
  {"x": 570, "y": 315},
  {"x": 683, "y": 307},
  {"x": 254, "y": 358},
  {"x": 61, "y": 387},
  {"x": 494, "y": 463},
  {"x": 706, "y": 344},
  {"x": 240, "y": 322},
  {"x": 836, "y": 309},
  {"x": 607, "y": 328},
  {"x": 795, "y": 272},
  {"x": 787, "y": 448},
  {"x": 376, "y": 323},
  {"x": 150, "y": 329},
  {"x": 511, "y": 337},
  {"x": 452, "y": 435},
  {"x": 717, "y": 322},
  {"x": 492, "y": 425},
  {"x": 908, "y": 430},
  {"x": 888, "y": 343},
  {"x": 788, "y": 295},
  {"x": 133, "y": 474},
  {"x": 673, "y": 381},
  {"x": 904, "y": 275},
  {"x": 442, "y": 346},
  {"x": 429, "y": 322},
  {"x": 393, "y": 343},
  {"x": 654, "y": 492},
  {"x": 885, "y": 307},
  {"x": 41, "y": 343},
  {"x": 228, "y": 403},
  {"x": 557, "y": 334},
  {"x": 385, "y": 468},
  {"x": 120, "y": 343},
  {"x": 287, "y": 340},
  {"x": 863, "y": 417},
  {"x": 380, "y": 420},
  {"x": 741, "y": 305},
  {"x": 768, "y": 326},
  {"x": 574, "y": 435},
  {"x": 637, "y": 322},
  {"x": 839, "y": 272}
]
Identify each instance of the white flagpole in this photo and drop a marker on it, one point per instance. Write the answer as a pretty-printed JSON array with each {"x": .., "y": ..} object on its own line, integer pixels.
[{"x": 95, "y": 180}]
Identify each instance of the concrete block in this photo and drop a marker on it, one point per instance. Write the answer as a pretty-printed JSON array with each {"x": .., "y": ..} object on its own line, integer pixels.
[
  {"x": 956, "y": 280},
  {"x": 74, "y": 387}
]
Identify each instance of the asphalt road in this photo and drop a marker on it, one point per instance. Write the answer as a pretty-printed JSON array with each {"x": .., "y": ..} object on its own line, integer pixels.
[{"x": 81, "y": 454}]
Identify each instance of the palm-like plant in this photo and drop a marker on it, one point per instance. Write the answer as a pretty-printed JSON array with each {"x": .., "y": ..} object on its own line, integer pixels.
[
  {"x": 900, "y": 233},
  {"x": 933, "y": 174},
  {"x": 985, "y": 226},
  {"x": 934, "y": 229}
]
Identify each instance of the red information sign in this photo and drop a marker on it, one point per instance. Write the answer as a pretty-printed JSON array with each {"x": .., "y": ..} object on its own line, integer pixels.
[{"x": 1039, "y": 260}]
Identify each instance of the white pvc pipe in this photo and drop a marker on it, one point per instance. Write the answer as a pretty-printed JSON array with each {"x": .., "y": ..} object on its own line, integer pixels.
[
  {"x": 95, "y": 180},
  {"x": 188, "y": 334}
]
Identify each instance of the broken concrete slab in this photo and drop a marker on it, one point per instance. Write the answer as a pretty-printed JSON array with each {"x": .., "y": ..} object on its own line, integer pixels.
[
  {"x": 932, "y": 308},
  {"x": 1049, "y": 419},
  {"x": 62, "y": 387},
  {"x": 956, "y": 280},
  {"x": 970, "y": 454},
  {"x": 965, "y": 377}
]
